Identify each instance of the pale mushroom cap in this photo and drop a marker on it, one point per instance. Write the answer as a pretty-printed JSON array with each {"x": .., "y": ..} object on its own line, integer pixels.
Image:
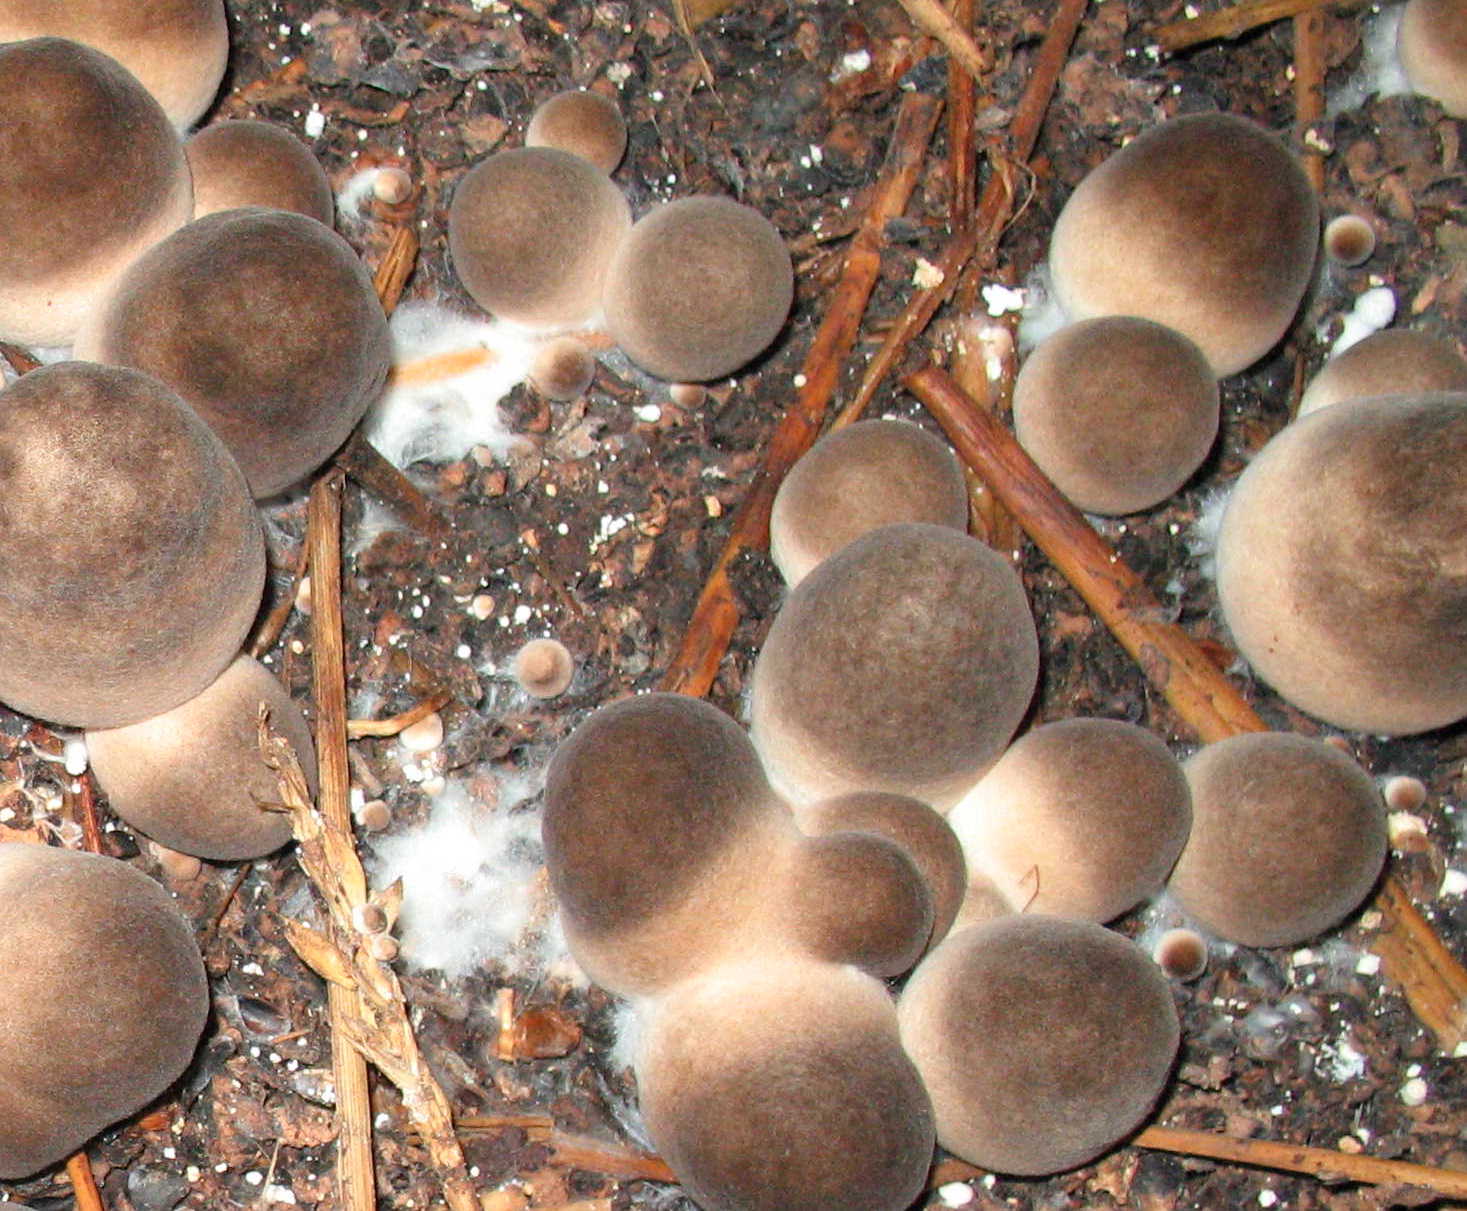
[
  {"x": 563, "y": 369},
  {"x": 247, "y": 163},
  {"x": 1432, "y": 44},
  {"x": 1118, "y": 412},
  {"x": 192, "y": 778},
  {"x": 531, "y": 232},
  {"x": 1340, "y": 566},
  {"x": 1082, "y": 818},
  {"x": 102, "y": 999},
  {"x": 903, "y": 663},
  {"x": 135, "y": 558},
  {"x": 265, "y": 321},
  {"x": 586, "y": 124},
  {"x": 1288, "y": 836},
  {"x": 873, "y": 473},
  {"x": 94, "y": 175},
  {"x": 1181, "y": 953},
  {"x": 782, "y": 1086},
  {"x": 1205, "y": 224},
  {"x": 1349, "y": 240},
  {"x": 544, "y": 668},
  {"x": 699, "y": 288},
  {"x": 1396, "y": 361},
  {"x": 1041, "y": 1041}
]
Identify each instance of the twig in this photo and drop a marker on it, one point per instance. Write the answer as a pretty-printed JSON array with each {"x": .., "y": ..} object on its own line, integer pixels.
[
  {"x": 596, "y": 1157},
  {"x": 962, "y": 159},
  {"x": 397, "y": 266},
  {"x": 436, "y": 367},
  {"x": 365, "y": 464},
  {"x": 930, "y": 17},
  {"x": 394, "y": 724},
  {"x": 981, "y": 346},
  {"x": 21, "y": 360},
  {"x": 1413, "y": 956},
  {"x": 274, "y": 624},
  {"x": 1234, "y": 22},
  {"x": 1309, "y": 88},
  {"x": 83, "y": 1182}
]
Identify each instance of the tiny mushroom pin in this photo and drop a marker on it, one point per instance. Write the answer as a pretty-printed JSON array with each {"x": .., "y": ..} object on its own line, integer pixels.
[
  {"x": 586, "y": 124},
  {"x": 248, "y": 163}
]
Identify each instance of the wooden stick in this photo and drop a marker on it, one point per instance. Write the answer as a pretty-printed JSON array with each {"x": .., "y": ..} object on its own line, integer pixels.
[
  {"x": 84, "y": 1183},
  {"x": 397, "y": 266},
  {"x": 1309, "y": 88},
  {"x": 716, "y": 613},
  {"x": 962, "y": 104},
  {"x": 438, "y": 366},
  {"x": 365, "y": 464},
  {"x": 279, "y": 615},
  {"x": 394, "y": 724},
  {"x": 21, "y": 360},
  {"x": 930, "y": 17},
  {"x": 1234, "y": 22}
]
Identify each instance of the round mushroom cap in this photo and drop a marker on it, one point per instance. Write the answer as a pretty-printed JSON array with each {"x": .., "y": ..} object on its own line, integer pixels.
[
  {"x": 193, "y": 778},
  {"x": 544, "y": 668},
  {"x": 265, "y": 321},
  {"x": 248, "y": 163},
  {"x": 586, "y": 124},
  {"x": 531, "y": 232},
  {"x": 1340, "y": 565},
  {"x": 1181, "y": 953},
  {"x": 563, "y": 369},
  {"x": 1288, "y": 836},
  {"x": 134, "y": 556},
  {"x": 1349, "y": 240},
  {"x": 94, "y": 174},
  {"x": 1082, "y": 818},
  {"x": 1206, "y": 224},
  {"x": 699, "y": 288},
  {"x": 102, "y": 999},
  {"x": 1118, "y": 412},
  {"x": 903, "y": 663},
  {"x": 1395, "y": 361},
  {"x": 1431, "y": 42},
  {"x": 782, "y": 1086},
  {"x": 1041, "y": 1041},
  {"x": 873, "y": 473}
]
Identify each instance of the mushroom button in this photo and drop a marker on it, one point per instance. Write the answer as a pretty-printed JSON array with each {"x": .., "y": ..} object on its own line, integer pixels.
[
  {"x": 1397, "y": 361},
  {"x": 544, "y": 668},
  {"x": 1349, "y": 240},
  {"x": 586, "y": 124},
  {"x": 1432, "y": 44},
  {"x": 247, "y": 163},
  {"x": 563, "y": 369}
]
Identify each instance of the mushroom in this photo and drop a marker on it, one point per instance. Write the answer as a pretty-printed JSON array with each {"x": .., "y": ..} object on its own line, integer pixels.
[
  {"x": 563, "y": 369},
  {"x": 1117, "y": 411},
  {"x": 281, "y": 354},
  {"x": 544, "y": 668},
  {"x": 1181, "y": 953},
  {"x": 94, "y": 175},
  {"x": 782, "y": 1086},
  {"x": 247, "y": 163},
  {"x": 1431, "y": 43},
  {"x": 1205, "y": 224},
  {"x": 700, "y": 287},
  {"x": 1340, "y": 567},
  {"x": 1395, "y": 361},
  {"x": 873, "y": 473},
  {"x": 1288, "y": 836},
  {"x": 1041, "y": 1041},
  {"x": 1349, "y": 240},
  {"x": 586, "y": 124},
  {"x": 134, "y": 557},
  {"x": 531, "y": 232},
  {"x": 102, "y": 999},
  {"x": 193, "y": 778},
  {"x": 1082, "y": 818},
  {"x": 903, "y": 663}
]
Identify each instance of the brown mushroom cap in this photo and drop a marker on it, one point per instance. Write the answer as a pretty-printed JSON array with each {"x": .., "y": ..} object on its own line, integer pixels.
[
  {"x": 700, "y": 287},
  {"x": 586, "y": 124},
  {"x": 1288, "y": 836},
  {"x": 94, "y": 175},
  {"x": 563, "y": 369},
  {"x": 1181, "y": 953},
  {"x": 1349, "y": 240},
  {"x": 1205, "y": 224},
  {"x": 134, "y": 556},
  {"x": 1041, "y": 1041},
  {"x": 531, "y": 232},
  {"x": 265, "y": 321},
  {"x": 903, "y": 663},
  {"x": 1082, "y": 818},
  {"x": 1118, "y": 412},
  {"x": 248, "y": 163},
  {"x": 873, "y": 473},
  {"x": 783, "y": 1087},
  {"x": 102, "y": 999},
  {"x": 544, "y": 668},
  {"x": 192, "y": 778},
  {"x": 1340, "y": 567},
  {"x": 1396, "y": 361},
  {"x": 1431, "y": 42}
]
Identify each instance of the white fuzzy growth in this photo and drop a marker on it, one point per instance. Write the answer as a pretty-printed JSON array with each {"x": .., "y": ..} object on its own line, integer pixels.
[
  {"x": 1202, "y": 542},
  {"x": 377, "y": 520},
  {"x": 357, "y": 192},
  {"x": 1042, "y": 316},
  {"x": 1373, "y": 310},
  {"x": 1380, "y": 72}
]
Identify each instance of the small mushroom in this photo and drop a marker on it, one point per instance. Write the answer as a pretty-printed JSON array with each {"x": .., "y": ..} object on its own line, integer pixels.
[
  {"x": 873, "y": 473},
  {"x": 1431, "y": 42},
  {"x": 1349, "y": 240},
  {"x": 1288, "y": 836},
  {"x": 586, "y": 124},
  {"x": 1041, "y": 1041},
  {"x": 563, "y": 369},
  {"x": 248, "y": 163},
  {"x": 699, "y": 288},
  {"x": 1181, "y": 953},
  {"x": 544, "y": 668},
  {"x": 1395, "y": 361}
]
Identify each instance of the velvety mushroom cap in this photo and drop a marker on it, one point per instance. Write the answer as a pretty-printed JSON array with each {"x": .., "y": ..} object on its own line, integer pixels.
[
  {"x": 1396, "y": 361},
  {"x": 531, "y": 232},
  {"x": 1205, "y": 224},
  {"x": 192, "y": 778},
  {"x": 1118, "y": 412},
  {"x": 700, "y": 287},
  {"x": 1082, "y": 818},
  {"x": 586, "y": 124},
  {"x": 94, "y": 174},
  {"x": 134, "y": 556},
  {"x": 102, "y": 999},
  {"x": 873, "y": 473},
  {"x": 1349, "y": 240},
  {"x": 1340, "y": 565},
  {"x": 265, "y": 321},
  {"x": 1288, "y": 836},
  {"x": 1041, "y": 1041},
  {"x": 544, "y": 668},
  {"x": 563, "y": 369},
  {"x": 1432, "y": 44},
  {"x": 903, "y": 663},
  {"x": 782, "y": 1086},
  {"x": 247, "y": 163}
]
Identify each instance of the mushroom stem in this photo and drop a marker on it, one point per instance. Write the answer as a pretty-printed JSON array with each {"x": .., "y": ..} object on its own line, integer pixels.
[{"x": 1233, "y": 22}]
